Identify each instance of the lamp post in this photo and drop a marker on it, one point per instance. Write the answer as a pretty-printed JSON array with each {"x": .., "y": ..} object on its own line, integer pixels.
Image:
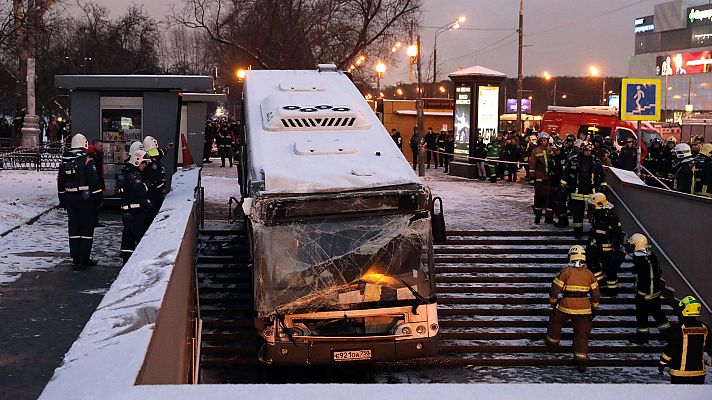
[
  {"x": 548, "y": 77},
  {"x": 595, "y": 72},
  {"x": 412, "y": 52},
  {"x": 452, "y": 25},
  {"x": 380, "y": 69}
]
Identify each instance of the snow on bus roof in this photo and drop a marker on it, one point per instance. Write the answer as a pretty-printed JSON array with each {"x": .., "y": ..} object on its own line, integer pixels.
[{"x": 311, "y": 131}]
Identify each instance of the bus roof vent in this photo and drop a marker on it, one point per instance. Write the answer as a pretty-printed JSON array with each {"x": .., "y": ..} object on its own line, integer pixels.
[{"x": 311, "y": 112}]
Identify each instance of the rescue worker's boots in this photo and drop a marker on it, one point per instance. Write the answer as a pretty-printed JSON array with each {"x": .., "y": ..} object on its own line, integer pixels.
[
  {"x": 549, "y": 216},
  {"x": 639, "y": 338},
  {"x": 537, "y": 216},
  {"x": 563, "y": 222}
]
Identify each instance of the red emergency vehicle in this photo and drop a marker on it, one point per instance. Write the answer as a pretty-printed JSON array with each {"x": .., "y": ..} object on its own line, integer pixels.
[{"x": 604, "y": 121}]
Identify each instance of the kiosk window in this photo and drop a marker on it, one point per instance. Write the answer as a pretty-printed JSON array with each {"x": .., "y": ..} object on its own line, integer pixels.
[{"x": 119, "y": 128}]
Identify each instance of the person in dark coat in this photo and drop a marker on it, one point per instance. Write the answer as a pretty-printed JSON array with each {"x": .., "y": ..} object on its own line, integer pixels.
[
  {"x": 628, "y": 158},
  {"x": 79, "y": 190},
  {"x": 135, "y": 204},
  {"x": 431, "y": 147},
  {"x": 414, "y": 147},
  {"x": 449, "y": 150},
  {"x": 96, "y": 152}
]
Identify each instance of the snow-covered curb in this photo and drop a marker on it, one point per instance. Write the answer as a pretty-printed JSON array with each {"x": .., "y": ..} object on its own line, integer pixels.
[
  {"x": 109, "y": 353},
  {"x": 30, "y": 221}
]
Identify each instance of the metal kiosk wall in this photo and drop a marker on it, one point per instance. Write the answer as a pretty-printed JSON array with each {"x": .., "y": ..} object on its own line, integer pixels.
[
  {"x": 477, "y": 111},
  {"x": 119, "y": 109}
]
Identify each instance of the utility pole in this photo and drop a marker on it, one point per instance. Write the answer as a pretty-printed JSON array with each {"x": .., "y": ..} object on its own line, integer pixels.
[
  {"x": 520, "y": 76},
  {"x": 419, "y": 111}
]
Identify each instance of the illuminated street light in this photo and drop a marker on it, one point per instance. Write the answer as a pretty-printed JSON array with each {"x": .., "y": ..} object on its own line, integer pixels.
[
  {"x": 547, "y": 76},
  {"x": 412, "y": 51},
  {"x": 380, "y": 69},
  {"x": 594, "y": 71},
  {"x": 399, "y": 91},
  {"x": 531, "y": 97},
  {"x": 563, "y": 96},
  {"x": 462, "y": 19},
  {"x": 240, "y": 74},
  {"x": 447, "y": 27}
]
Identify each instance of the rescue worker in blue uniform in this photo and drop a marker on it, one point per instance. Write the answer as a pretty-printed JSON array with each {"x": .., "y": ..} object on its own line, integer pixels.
[
  {"x": 135, "y": 205},
  {"x": 583, "y": 177},
  {"x": 155, "y": 175},
  {"x": 684, "y": 169},
  {"x": 79, "y": 190},
  {"x": 605, "y": 243},
  {"x": 689, "y": 340},
  {"x": 558, "y": 195},
  {"x": 703, "y": 171},
  {"x": 648, "y": 288}
]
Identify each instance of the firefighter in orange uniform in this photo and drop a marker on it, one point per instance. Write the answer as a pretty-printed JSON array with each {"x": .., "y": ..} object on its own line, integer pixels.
[{"x": 579, "y": 303}]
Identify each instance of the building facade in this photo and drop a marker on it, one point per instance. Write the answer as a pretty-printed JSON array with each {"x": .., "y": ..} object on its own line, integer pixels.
[{"x": 675, "y": 45}]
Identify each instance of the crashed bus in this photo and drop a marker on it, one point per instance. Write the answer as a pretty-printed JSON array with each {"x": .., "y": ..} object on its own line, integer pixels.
[{"x": 339, "y": 224}]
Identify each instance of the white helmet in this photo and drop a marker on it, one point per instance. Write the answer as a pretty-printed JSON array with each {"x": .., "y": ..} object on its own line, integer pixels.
[
  {"x": 135, "y": 146},
  {"x": 543, "y": 135},
  {"x": 682, "y": 150},
  {"x": 138, "y": 157},
  {"x": 149, "y": 143},
  {"x": 80, "y": 141}
]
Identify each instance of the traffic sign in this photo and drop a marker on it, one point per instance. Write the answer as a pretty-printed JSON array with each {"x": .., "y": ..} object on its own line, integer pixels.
[{"x": 640, "y": 99}]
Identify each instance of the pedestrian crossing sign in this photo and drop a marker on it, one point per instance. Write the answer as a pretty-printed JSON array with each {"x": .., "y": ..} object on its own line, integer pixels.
[{"x": 640, "y": 99}]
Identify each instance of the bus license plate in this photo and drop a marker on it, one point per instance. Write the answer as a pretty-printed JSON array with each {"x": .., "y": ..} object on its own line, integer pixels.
[{"x": 352, "y": 355}]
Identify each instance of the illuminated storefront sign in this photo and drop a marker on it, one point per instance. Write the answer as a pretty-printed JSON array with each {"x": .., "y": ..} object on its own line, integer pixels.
[
  {"x": 463, "y": 102},
  {"x": 684, "y": 63},
  {"x": 644, "y": 24},
  {"x": 700, "y": 14},
  {"x": 488, "y": 112}
]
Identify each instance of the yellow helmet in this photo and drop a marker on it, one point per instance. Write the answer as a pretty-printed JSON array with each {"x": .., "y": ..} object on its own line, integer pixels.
[
  {"x": 599, "y": 201},
  {"x": 706, "y": 149},
  {"x": 690, "y": 307},
  {"x": 638, "y": 241},
  {"x": 577, "y": 253}
]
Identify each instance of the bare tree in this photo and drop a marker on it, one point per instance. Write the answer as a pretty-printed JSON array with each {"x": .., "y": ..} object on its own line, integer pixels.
[
  {"x": 185, "y": 51},
  {"x": 299, "y": 33}
]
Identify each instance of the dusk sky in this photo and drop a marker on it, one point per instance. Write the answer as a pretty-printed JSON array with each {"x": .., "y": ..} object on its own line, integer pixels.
[{"x": 564, "y": 36}]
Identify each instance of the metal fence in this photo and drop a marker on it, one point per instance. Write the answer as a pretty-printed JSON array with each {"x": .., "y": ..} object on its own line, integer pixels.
[{"x": 44, "y": 158}]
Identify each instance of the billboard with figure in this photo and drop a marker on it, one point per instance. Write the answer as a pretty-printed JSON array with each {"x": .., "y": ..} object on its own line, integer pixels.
[
  {"x": 463, "y": 118},
  {"x": 487, "y": 112}
]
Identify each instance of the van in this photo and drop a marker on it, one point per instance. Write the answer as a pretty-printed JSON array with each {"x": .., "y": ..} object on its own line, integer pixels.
[{"x": 580, "y": 121}]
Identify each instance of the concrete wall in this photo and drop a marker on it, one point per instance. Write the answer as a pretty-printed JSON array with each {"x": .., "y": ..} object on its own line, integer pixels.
[
  {"x": 169, "y": 353},
  {"x": 680, "y": 226}
]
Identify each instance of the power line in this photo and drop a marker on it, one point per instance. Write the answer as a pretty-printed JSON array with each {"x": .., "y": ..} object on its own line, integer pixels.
[
  {"x": 484, "y": 49},
  {"x": 471, "y": 29},
  {"x": 588, "y": 18}
]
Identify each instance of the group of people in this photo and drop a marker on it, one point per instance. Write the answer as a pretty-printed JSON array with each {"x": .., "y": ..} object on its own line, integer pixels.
[
  {"x": 688, "y": 166},
  {"x": 225, "y": 133},
  {"x": 80, "y": 187},
  {"x": 575, "y": 295},
  {"x": 439, "y": 147}
]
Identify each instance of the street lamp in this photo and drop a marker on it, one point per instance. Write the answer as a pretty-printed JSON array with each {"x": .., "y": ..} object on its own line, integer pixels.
[
  {"x": 399, "y": 92},
  {"x": 595, "y": 72},
  {"x": 549, "y": 77},
  {"x": 380, "y": 69},
  {"x": 443, "y": 90},
  {"x": 452, "y": 25},
  {"x": 240, "y": 74}
]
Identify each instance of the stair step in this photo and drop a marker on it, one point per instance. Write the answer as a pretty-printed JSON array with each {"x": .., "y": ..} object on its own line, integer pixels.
[
  {"x": 508, "y": 289},
  {"x": 487, "y": 269},
  {"x": 450, "y": 250},
  {"x": 563, "y": 232},
  {"x": 520, "y": 300},
  {"x": 535, "y": 336},
  {"x": 525, "y": 362},
  {"x": 542, "y": 323},
  {"x": 529, "y": 242},
  {"x": 561, "y": 261},
  {"x": 508, "y": 279},
  {"x": 491, "y": 349},
  {"x": 520, "y": 312}
]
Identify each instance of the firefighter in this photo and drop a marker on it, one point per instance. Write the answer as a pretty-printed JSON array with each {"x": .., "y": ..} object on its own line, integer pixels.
[
  {"x": 540, "y": 166},
  {"x": 648, "y": 289},
  {"x": 689, "y": 340},
  {"x": 612, "y": 151},
  {"x": 559, "y": 196},
  {"x": 579, "y": 302},
  {"x": 135, "y": 205},
  {"x": 569, "y": 145},
  {"x": 669, "y": 158},
  {"x": 494, "y": 151},
  {"x": 654, "y": 159},
  {"x": 583, "y": 177},
  {"x": 605, "y": 243},
  {"x": 703, "y": 171},
  {"x": 79, "y": 191},
  {"x": 684, "y": 169},
  {"x": 628, "y": 157},
  {"x": 155, "y": 174},
  {"x": 511, "y": 152}
]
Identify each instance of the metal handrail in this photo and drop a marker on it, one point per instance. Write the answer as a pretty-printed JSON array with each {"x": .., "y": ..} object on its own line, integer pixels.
[{"x": 654, "y": 177}]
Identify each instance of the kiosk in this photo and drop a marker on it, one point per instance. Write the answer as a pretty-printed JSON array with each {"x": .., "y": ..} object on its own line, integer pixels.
[
  {"x": 477, "y": 111},
  {"x": 121, "y": 109}
]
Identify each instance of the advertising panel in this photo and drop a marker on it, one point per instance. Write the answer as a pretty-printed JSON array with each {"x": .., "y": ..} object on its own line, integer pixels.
[
  {"x": 614, "y": 101},
  {"x": 463, "y": 117},
  {"x": 699, "y": 15},
  {"x": 512, "y": 106},
  {"x": 684, "y": 63},
  {"x": 488, "y": 112}
]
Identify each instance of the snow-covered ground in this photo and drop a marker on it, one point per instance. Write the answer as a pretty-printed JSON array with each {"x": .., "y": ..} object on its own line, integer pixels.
[
  {"x": 220, "y": 184},
  {"x": 474, "y": 204},
  {"x": 24, "y": 195}
]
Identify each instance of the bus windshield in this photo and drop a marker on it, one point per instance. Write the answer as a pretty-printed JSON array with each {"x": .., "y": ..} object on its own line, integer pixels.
[{"x": 342, "y": 264}]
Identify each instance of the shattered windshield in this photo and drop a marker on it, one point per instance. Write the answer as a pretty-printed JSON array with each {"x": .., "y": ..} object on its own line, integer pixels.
[{"x": 342, "y": 264}]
